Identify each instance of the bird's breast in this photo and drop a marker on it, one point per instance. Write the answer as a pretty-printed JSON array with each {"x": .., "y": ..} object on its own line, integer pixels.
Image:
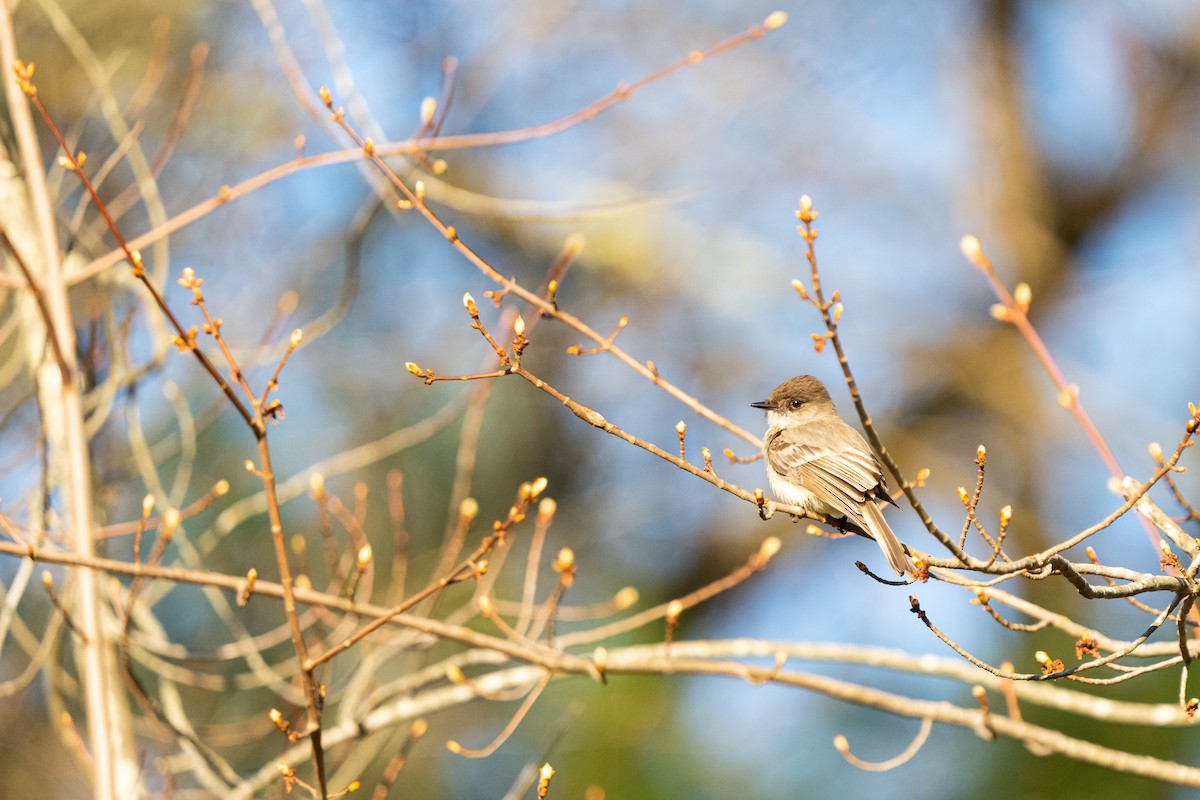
[{"x": 792, "y": 493}]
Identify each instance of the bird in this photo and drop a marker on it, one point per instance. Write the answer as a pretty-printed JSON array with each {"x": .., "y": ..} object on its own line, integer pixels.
[{"x": 818, "y": 462}]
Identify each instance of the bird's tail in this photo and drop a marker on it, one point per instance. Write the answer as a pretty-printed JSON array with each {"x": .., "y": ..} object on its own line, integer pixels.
[{"x": 881, "y": 532}]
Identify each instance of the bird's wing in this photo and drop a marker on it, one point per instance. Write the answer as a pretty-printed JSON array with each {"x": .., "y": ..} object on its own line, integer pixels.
[{"x": 843, "y": 479}]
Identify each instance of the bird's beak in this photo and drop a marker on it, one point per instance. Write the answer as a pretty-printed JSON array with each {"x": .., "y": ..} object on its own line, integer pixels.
[{"x": 765, "y": 405}]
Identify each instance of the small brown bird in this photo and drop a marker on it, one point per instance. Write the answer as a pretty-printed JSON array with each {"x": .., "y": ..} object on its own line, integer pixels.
[{"x": 818, "y": 462}]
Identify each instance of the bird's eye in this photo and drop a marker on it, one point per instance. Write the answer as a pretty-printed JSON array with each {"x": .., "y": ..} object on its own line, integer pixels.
[{"x": 797, "y": 403}]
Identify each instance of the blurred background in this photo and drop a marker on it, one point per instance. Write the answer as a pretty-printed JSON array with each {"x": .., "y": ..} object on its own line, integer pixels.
[{"x": 1062, "y": 134}]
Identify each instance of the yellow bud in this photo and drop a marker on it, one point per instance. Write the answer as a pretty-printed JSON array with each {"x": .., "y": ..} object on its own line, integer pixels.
[
  {"x": 428, "y": 109},
  {"x": 971, "y": 248},
  {"x": 414, "y": 369},
  {"x": 625, "y": 598},
  {"x": 1005, "y": 516},
  {"x": 47, "y": 579},
  {"x": 963, "y": 497},
  {"x": 565, "y": 560},
  {"x": 170, "y": 523},
  {"x": 468, "y": 509},
  {"x": 1156, "y": 451},
  {"x": 364, "y": 556},
  {"x": 774, "y": 21},
  {"x": 1000, "y": 313},
  {"x": 981, "y": 454},
  {"x": 220, "y": 488},
  {"x": 770, "y": 546},
  {"x": 805, "y": 200},
  {"x": 680, "y": 427},
  {"x": 674, "y": 609},
  {"x": 519, "y": 325},
  {"x": 147, "y": 505},
  {"x": 297, "y": 335},
  {"x": 1041, "y": 657},
  {"x": 537, "y": 487},
  {"x": 1023, "y": 295}
]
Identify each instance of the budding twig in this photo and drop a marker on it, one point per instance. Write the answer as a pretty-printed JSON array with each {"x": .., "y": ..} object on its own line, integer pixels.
[
  {"x": 807, "y": 214},
  {"x": 507, "y": 731},
  {"x": 842, "y": 745},
  {"x": 48, "y": 583},
  {"x": 757, "y": 562},
  {"x": 397, "y": 761},
  {"x": 1014, "y": 311}
]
